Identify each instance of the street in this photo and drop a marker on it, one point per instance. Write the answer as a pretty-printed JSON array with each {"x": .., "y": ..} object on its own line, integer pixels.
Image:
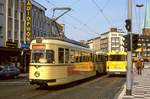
[{"x": 103, "y": 87}]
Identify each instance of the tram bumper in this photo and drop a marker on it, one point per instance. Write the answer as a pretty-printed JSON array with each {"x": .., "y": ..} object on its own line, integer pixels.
[
  {"x": 41, "y": 82},
  {"x": 116, "y": 73}
]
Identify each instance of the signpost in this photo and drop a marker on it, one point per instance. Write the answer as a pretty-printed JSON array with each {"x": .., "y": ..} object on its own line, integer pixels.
[{"x": 129, "y": 78}]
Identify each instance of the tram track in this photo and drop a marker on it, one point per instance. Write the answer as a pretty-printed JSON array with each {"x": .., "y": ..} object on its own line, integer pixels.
[{"x": 97, "y": 85}]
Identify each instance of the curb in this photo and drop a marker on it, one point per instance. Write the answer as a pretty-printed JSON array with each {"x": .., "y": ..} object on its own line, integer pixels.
[{"x": 122, "y": 93}]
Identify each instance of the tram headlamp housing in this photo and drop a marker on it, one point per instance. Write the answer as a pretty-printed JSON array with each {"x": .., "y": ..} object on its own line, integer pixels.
[{"x": 37, "y": 74}]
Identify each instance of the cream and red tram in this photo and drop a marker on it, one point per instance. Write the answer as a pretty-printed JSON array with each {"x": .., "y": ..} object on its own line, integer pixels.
[{"x": 58, "y": 61}]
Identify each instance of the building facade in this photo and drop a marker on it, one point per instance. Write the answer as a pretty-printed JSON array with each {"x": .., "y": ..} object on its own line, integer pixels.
[
  {"x": 112, "y": 41},
  {"x": 94, "y": 43},
  {"x": 13, "y": 22},
  {"x": 13, "y": 37},
  {"x": 146, "y": 33}
]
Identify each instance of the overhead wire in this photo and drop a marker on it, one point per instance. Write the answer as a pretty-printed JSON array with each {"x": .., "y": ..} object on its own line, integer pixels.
[
  {"x": 105, "y": 4},
  {"x": 101, "y": 11},
  {"x": 76, "y": 19}
]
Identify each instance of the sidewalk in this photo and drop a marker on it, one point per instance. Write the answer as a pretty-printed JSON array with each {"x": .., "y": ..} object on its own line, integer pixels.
[
  {"x": 23, "y": 75},
  {"x": 141, "y": 86}
]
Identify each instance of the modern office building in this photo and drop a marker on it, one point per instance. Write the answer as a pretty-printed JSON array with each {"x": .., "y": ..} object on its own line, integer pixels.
[{"x": 112, "y": 40}]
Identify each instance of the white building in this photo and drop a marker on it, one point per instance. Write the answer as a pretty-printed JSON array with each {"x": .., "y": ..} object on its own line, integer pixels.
[{"x": 112, "y": 41}]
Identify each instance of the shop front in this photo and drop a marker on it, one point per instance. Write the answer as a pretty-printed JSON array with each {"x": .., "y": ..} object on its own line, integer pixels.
[{"x": 19, "y": 57}]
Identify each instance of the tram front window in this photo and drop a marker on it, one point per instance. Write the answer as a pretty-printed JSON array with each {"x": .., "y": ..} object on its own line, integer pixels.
[
  {"x": 117, "y": 58},
  {"x": 41, "y": 56}
]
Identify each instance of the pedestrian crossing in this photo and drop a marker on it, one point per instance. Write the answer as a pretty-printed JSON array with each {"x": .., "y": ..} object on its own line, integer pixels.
[{"x": 141, "y": 85}]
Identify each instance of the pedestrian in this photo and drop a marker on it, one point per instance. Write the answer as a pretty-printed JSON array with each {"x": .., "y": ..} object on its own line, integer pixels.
[{"x": 139, "y": 66}]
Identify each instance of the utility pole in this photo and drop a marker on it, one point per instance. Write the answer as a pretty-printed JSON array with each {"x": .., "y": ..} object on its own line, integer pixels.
[{"x": 129, "y": 78}]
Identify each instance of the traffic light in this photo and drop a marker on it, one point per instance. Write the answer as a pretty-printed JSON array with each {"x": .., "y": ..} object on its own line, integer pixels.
[
  {"x": 126, "y": 42},
  {"x": 128, "y": 25},
  {"x": 135, "y": 41}
]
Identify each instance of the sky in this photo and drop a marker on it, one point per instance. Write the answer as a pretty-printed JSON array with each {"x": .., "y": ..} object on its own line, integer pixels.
[{"x": 89, "y": 18}]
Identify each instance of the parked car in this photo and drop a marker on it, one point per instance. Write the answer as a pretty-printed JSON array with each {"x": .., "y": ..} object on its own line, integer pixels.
[{"x": 9, "y": 71}]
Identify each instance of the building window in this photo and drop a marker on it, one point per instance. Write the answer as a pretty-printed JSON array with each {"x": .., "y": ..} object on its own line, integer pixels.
[
  {"x": 16, "y": 14},
  {"x": 16, "y": 36},
  {"x": 0, "y": 31},
  {"x": 22, "y": 35},
  {"x": 9, "y": 34},
  {"x": 148, "y": 44},
  {"x": 21, "y": 15},
  {"x": 1, "y": 9},
  {"x": 120, "y": 34},
  {"x": 9, "y": 11},
  {"x": 113, "y": 34}
]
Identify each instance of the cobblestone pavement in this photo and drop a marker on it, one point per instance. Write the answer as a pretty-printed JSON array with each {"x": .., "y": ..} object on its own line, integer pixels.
[{"x": 141, "y": 86}]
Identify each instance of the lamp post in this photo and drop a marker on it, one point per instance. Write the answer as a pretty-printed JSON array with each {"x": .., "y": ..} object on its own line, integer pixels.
[{"x": 139, "y": 6}]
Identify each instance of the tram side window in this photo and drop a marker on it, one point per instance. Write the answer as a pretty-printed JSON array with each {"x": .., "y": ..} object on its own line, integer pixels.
[
  {"x": 100, "y": 58},
  {"x": 72, "y": 55},
  {"x": 66, "y": 55},
  {"x": 76, "y": 56},
  {"x": 61, "y": 55},
  {"x": 91, "y": 57},
  {"x": 50, "y": 56}
]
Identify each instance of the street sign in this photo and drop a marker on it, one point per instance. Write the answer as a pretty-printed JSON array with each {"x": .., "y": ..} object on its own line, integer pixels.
[
  {"x": 25, "y": 45},
  {"x": 11, "y": 44}
]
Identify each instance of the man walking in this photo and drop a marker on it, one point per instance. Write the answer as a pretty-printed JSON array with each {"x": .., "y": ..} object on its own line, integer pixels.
[{"x": 139, "y": 66}]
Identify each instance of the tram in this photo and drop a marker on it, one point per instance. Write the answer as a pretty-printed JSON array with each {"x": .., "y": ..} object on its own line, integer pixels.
[
  {"x": 116, "y": 63},
  {"x": 56, "y": 61}
]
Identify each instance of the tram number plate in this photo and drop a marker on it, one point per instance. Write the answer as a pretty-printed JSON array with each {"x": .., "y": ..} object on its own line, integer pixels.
[{"x": 117, "y": 72}]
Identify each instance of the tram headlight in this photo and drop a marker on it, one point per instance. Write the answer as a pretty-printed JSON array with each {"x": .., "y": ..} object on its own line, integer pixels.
[{"x": 37, "y": 74}]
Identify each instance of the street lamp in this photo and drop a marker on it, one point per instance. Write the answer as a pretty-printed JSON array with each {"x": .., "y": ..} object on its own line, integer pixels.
[{"x": 139, "y": 6}]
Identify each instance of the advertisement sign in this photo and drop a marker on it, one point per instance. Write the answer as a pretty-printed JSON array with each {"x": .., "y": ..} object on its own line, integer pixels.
[
  {"x": 11, "y": 44},
  {"x": 25, "y": 45},
  {"x": 28, "y": 20}
]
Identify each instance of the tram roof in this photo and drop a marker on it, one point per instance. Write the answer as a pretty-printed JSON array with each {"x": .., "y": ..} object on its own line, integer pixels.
[{"x": 65, "y": 40}]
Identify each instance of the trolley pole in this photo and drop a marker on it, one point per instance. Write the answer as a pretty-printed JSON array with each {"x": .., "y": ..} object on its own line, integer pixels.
[{"x": 129, "y": 78}]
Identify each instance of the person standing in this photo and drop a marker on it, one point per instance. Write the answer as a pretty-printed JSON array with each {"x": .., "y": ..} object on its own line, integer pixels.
[{"x": 139, "y": 66}]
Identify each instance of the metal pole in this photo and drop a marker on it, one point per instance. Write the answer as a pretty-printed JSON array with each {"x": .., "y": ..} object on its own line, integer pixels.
[{"x": 129, "y": 79}]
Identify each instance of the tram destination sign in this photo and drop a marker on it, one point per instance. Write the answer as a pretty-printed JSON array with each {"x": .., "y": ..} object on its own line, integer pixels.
[{"x": 38, "y": 46}]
